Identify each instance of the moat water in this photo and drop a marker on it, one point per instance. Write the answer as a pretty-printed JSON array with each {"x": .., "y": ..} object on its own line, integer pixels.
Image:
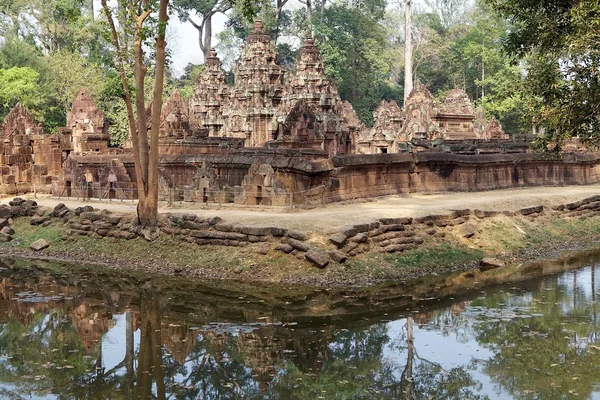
[{"x": 97, "y": 335}]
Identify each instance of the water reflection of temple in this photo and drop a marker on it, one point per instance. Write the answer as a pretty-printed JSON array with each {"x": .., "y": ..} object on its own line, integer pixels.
[{"x": 261, "y": 343}]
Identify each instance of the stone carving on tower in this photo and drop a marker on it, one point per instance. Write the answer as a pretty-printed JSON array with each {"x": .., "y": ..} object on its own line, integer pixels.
[
  {"x": 455, "y": 116},
  {"x": 86, "y": 122},
  {"x": 419, "y": 109},
  {"x": 257, "y": 91},
  {"x": 211, "y": 92}
]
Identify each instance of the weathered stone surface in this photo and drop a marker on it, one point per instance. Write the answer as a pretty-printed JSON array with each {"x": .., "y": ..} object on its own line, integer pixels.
[
  {"x": 461, "y": 213},
  {"x": 7, "y": 230},
  {"x": 298, "y": 245},
  {"x": 559, "y": 207},
  {"x": 196, "y": 225},
  {"x": 218, "y": 235},
  {"x": 39, "y": 245},
  {"x": 338, "y": 256},
  {"x": 531, "y": 210},
  {"x": 286, "y": 248},
  {"x": 484, "y": 213},
  {"x": 17, "y": 201},
  {"x": 91, "y": 215},
  {"x": 263, "y": 249},
  {"x": 215, "y": 220},
  {"x": 467, "y": 230},
  {"x": 338, "y": 239},
  {"x": 38, "y": 220},
  {"x": 296, "y": 235},
  {"x": 223, "y": 227},
  {"x": 360, "y": 238},
  {"x": 430, "y": 231},
  {"x": 393, "y": 248},
  {"x": 394, "y": 221},
  {"x": 488, "y": 263},
  {"x": 3, "y": 222},
  {"x": 393, "y": 227},
  {"x": 254, "y": 230},
  {"x": 317, "y": 258},
  {"x": 5, "y": 212},
  {"x": 5, "y": 237},
  {"x": 348, "y": 230}
]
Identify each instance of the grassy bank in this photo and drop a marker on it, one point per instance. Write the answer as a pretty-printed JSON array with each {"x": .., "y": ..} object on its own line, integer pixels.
[{"x": 509, "y": 238}]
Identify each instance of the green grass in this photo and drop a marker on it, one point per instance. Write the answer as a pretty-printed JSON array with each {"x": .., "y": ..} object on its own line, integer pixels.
[{"x": 438, "y": 254}]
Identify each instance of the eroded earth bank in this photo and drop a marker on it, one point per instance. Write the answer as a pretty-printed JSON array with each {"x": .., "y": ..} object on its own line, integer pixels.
[{"x": 387, "y": 240}]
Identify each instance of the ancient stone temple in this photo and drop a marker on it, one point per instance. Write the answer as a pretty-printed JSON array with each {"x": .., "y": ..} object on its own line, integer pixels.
[
  {"x": 279, "y": 137},
  {"x": 86, "y": 125},
  {"x": 210, "y": 94},
  {"x": 386, "y": 132},
  {"x": 256, "y": 93},
  {"x": 29, "y": 158}
]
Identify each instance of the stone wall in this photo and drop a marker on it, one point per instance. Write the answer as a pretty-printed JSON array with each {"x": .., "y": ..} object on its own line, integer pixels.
[{"x": 357, "y": 177}]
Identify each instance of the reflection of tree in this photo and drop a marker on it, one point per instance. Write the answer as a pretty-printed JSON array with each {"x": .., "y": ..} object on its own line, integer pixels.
[
  {"x": 43, "y": 355},
  {"x": 552, "y": 355},
  {"x": 150, "y": 362},
  {"x": 424, "y": 379}
]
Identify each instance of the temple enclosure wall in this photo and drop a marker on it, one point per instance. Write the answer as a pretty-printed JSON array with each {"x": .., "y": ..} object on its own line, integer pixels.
[
  {"x": 273, "y": 179},
  {"x": 357, "y": 177}
]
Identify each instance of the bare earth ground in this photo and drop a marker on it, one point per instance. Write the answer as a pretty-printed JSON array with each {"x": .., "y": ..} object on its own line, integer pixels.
[{"x": 330, "y": 218}]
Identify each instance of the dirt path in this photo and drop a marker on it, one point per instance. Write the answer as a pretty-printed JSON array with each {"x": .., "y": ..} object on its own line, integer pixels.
[{"x": 331, "y": 217}]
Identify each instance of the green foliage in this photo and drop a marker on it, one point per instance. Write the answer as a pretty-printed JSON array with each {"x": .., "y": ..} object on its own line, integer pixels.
[
  {"x": 353, "y": 47},
  {"x": 18, "y": 84},
  {"x": 558, "y": 40}
]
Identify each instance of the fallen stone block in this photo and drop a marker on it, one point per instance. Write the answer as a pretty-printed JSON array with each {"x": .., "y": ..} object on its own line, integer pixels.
[
  {"x": 254, "y": 230},
  {"x": 5, "y": 237},
  {"x": 218, "y": 235},
  {"x": 484, "y": 214},
  {"x": 17, "y": 201},
  {"x": 394, "y": 221},
  {"x": 531, "y": 210},
  {"x": 8, "y": 230},
  {"x": 392, "y": 228},
  {"x": 488, "y": 263},
  {"x": 348, "y": 230},
  {"x": 3, "y": 222},
  {"x": 360, "y": 238},
  {"x": 559, "y": 207},
  {"x": 296, "y": 235},
  {"x": 5, "y": 211},
  {"x": 338, "y": 256},
  {"x": 338, "y": 239},
  {"x": 461, "y": 213},
  {"x": 468, "y": 230},
  {"x": 91, "y": 215},
  {"x": 38, "y": 220},
  {"x": 317, "y": 258},
  {"x": 397, "y": 247},
  {"x": 223, "y": 227},
  {"x": 286, "y": 248},
  {"x": 298, "y": 245},
  {"x": 39, "y": 245}
]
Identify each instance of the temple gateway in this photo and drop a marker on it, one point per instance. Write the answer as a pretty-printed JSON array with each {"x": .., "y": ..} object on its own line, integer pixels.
[{"x": 282, "y": 137}]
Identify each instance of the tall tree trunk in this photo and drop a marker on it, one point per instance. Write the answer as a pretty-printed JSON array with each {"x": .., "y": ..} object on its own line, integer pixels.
[
  {"x": 145, "y": 151},
  {"x": 309, "y": 17},
  {"x": 408, "y": 78},
  {"x": 407, "y": 376},
  {"x": 207, "y": 36}
]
